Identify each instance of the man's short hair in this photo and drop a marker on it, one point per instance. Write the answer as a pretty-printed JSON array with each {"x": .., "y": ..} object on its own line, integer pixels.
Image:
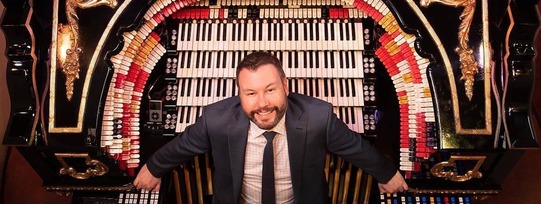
[{"x": 257, "y": 59}]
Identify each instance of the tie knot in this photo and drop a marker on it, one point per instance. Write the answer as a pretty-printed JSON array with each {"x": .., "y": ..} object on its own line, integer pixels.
[{"x": 269, "y": 135}]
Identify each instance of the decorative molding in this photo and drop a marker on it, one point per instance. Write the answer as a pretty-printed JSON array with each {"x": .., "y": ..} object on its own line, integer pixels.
[
  {"x": 468, "y": 65},
  {"x": 96, "y": 168},
  {"x": 447, "y": 169}
]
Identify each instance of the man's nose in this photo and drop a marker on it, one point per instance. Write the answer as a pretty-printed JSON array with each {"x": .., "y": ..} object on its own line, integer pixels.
[{"x": 262, "y": 101}]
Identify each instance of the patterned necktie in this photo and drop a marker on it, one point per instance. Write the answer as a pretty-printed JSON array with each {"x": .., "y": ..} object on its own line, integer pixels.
[{"x": 268, "y": 195}]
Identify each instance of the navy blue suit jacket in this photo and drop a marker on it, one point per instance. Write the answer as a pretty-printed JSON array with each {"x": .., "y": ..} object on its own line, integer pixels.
[{"x": 312, "y": 129}]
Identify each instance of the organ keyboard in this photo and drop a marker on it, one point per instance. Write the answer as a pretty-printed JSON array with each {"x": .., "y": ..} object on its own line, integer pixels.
[
  {"x": 296, "y": 64},
  {"x": 341, "y": 92},
  {"x": 141, "y": 197},
  {"x": 145, "y": 70}
]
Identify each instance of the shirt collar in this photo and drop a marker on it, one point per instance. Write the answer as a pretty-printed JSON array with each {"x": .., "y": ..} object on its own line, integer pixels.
[{"x": 280, "y": 128}]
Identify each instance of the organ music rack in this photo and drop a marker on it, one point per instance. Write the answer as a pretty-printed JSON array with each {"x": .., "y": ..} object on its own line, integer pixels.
[{"x": 139, "y": 72}]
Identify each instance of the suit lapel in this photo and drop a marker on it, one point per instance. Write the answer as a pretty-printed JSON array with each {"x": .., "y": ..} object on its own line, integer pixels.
[
  {"x": 296, "y": 140},
  {"x": 237, "y": 138}
]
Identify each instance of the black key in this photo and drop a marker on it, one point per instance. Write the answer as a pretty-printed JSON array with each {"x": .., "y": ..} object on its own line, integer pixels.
[
  {"x": 260, "y": 31},
  {"x": 290, "y": 82},
  {"x": 296, "y": 54},
  {"x": 305, "y": 87},
  {"x": 331, "y": 59},
  {"x": 317, "y": 59},
  {"x": 224, "y": 86},
  {"x": 254, "y": 26},
  {"x": 346, "y": 53},
  {"x": 326, "y": 86},
  {"x": 341, "y": 54},
  {"x": 341, "y": 84},
  {"x": 352, "y": 59},
  {"x": 305, "y": 64},
  {"x": 281, "y": 27},
  {"x": 197, "y": 35},
  {"x": 290, "y": 30},
  {"x": 224, "y": 36},
  {"x": 197, "y": 58},
  {"x": 183, "y": 89},
  {"x": 311, "y": 59},
  {"x": 182, "y": 30},
  {"x": 218, "y": 87},
  {"x": 316, "y": 87},
  {"x": 188, "y": 93},
  {"x": 346, "y": 114},
  {"x": 296, "y": 31},
  {"x": 188, "y": 113},
  {"x": 233, "y": 59},
  {"x": 218, "y": 58},
  {"x": 341, "y": 31},
  {"x": 224, "y": 61},
  {"x": 353, "y": 31},
  {"x": 347, "y": 31},
  {"x": 189, "y": 59},
  {"x": 189, "y": 32},
  {"x": 181, "y": 116},
  {"x": 317, "y": 30},
  {"x": 234, "y": 34},
  {"x": 311, "y": 36},
  {"x": 209, "y": 31},
  {"x": 332, "y": 89},
  {"x": 233, "y": 85},
  {"x": 353, "y": 93},
  {"x": 198, "y": 87},
  {"x": 290, "y": 56},
  {"x": 275, "y": 31},
  {"x": 306, "y": 32},
  {"x": 269, "y": 31},
  {"x": 332, "y": 31},
  {"x": 219, "y": 27},
  {"x": 352, "y": 115}
]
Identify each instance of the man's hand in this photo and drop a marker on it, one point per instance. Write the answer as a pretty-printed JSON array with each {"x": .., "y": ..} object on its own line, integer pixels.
[
  {"x": 145, "y": 180},
  {"x": 396, "y": 184}
]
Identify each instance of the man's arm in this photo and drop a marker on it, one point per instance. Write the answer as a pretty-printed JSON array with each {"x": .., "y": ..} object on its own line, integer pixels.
[
  {"x": 145, "y": 180},
  {"x": 193, "y": 141},
  {"x": 396, "y": 184}
]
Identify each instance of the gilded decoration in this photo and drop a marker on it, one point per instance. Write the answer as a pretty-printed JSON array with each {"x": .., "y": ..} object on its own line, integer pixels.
[
  {"x": 69, "y": 46},
  {"x": 95, "y": 167},
  {"x": 448, "y": 169},
  {"x": 468, "y": 65}
]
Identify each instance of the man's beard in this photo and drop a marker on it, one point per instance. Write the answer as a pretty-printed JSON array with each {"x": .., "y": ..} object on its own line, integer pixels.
[{"x": 280, "y": 112}]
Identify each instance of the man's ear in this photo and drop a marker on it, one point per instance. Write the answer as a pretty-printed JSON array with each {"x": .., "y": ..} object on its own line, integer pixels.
[{"x": 286, "y": 86}]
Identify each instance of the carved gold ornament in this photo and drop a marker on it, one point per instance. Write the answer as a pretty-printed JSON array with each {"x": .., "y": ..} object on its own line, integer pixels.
[
  {"x": 447, "y": 169},
  {"x": 69, "y": 47},
  {"x": 468, "y": 65},
  {"x": 95, "y": 167}
]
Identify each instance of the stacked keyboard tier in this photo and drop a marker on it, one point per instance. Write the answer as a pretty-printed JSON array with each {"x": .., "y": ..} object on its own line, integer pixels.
[{"x": 321, "y": 51}]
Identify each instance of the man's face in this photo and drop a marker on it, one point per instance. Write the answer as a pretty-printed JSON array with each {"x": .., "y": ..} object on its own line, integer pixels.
[{"x": 263, "y": 95}]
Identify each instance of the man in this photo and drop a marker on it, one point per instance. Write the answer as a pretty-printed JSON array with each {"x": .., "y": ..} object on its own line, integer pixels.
[{"x": 306, "y": 128}]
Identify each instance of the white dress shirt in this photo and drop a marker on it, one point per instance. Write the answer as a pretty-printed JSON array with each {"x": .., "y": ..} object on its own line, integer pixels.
[{"x": 253, "y": 165}]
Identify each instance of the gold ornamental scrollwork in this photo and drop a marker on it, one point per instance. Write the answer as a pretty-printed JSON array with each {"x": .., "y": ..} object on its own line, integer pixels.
[
  {"x": 468, "y": 65},
  {"x": 447, "y": 169},
  {"x": 69, "y": 48},
  {"x": 95, "y": 167}
]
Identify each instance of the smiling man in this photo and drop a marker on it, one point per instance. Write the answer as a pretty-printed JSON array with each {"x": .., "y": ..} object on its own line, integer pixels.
[{"x": 269, "y": 145}]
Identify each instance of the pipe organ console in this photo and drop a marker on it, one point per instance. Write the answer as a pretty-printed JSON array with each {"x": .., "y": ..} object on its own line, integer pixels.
[{"x": 442, "y": 87}]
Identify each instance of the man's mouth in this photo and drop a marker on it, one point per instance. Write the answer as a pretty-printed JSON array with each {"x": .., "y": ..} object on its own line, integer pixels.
[{"x": 264, "y": 113}]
